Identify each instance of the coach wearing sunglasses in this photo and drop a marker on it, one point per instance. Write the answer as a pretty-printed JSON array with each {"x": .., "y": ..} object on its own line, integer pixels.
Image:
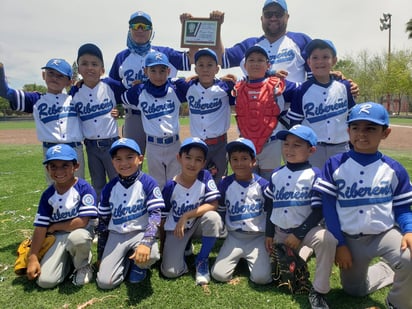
[
  {"x": 128, "y": 67},
  {"x": 285, "y": 49}
]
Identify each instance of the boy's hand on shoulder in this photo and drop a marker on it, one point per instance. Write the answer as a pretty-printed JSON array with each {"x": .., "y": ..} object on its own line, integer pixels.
[
  {"x": 190, "y": 78},
  {"x": 136, "y": 82},
  {"x": 292, "y": 241},
  {"x": 407, "y": 243},
  {"x": 278, "y": 73},
  {"x": 141, "y": 254},
  {"x": 343, "y": 258},
  {"x": 229, "y": 78}
]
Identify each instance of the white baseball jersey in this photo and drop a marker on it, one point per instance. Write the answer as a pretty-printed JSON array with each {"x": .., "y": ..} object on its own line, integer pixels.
[
  {"x": 55, "y": 115},
  {"x": 287, "y": 53},
  {"x": 160, "y": 109},
  {"x": 179, "y": 199},
  {"x": 366, "y": 188},
  {"x": 243, "y": 203},
  {"x": 129, "y": 208},
  {"x": 324, "y": 108},
  {"x": 94, "y": 107},
  {"x": 209, "y": 108},
  {"x": 78, "y": 201},
  {"x": 292, "y": 195}
]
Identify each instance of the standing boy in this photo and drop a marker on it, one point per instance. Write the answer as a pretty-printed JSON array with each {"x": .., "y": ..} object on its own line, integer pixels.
[
  {"x": 259, "y": 103},
  {"x": 296, "y": 212},
  {"x": 322, "y": 103},
  {"x": 67, "y": 209},
  {"x": 95, "y": 100},
  {"x": 191, "y": 199},
  {"x": 159, "y": 101},
  {"x": 129, "y": 216},
  {"x": 57, "y": 121},
  {"x": 243, "y": 205},
  {"x": 367, "y": 200},
  {"x": 209, "y": 101}
]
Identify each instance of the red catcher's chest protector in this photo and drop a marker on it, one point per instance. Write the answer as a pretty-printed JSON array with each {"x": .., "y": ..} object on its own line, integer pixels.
[{"x": 256, "y": 109}]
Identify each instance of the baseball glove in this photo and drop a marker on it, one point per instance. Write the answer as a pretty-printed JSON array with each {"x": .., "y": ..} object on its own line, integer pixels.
[
  {"x": 20, "y": 266},
  {"x": 289, "y": 270}
]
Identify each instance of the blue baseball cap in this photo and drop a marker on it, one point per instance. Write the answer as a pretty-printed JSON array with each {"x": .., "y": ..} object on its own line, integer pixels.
[
  {"x": 322, "y": 44},
  {"x": 256, "y": 49},
  {"x": 369, "y": 111},
  {"x": 90, "y": 49},
  {"x": 140, "y": 17},
  {"x": 156, "y": 58},
  {"x": 206, "y": 52},
  {"x": 300, "y": 131},
  {"x": 281, "y": 3},
  {"x": 243, "y": 142},
  {"x": 60, "y": 152},
  {"x": 125, "y": 143},
  {"x": 60, "y": 65},
  {"x": 195, "y": 141}
]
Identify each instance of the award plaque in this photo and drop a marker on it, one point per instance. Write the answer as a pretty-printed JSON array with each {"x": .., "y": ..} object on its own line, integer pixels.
[{"x": 200, "y": 32}]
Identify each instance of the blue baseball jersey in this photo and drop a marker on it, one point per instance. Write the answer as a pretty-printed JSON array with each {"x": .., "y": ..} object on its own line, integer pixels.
[
  {"x": 286, "y": 53},
  {"x": 94, "y": 107},
  {"x": 159, "y": 105},
  {"x": 128, "y": 67},
  {"x": 209, "y": 108},
  {"x": 365, "y": 191},
  {"x": 243, "y": 203},
  {"x": 55, "y": 115},
  {"x": 179, "y": 200},
  {"x": 78, "y": 201},
  {"x": 129, "y": 208},
  {"x": 292, "y": 195},
  {"x": 324, "y": 108}
]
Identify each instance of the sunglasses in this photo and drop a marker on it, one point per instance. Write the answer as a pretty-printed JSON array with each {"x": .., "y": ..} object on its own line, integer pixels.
[
  {"x": 142, "y": 26},
  {"x": 270, "y": 14}
]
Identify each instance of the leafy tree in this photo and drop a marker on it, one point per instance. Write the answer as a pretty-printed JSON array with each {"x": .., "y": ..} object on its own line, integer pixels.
[{"x": 409, "y": 28}]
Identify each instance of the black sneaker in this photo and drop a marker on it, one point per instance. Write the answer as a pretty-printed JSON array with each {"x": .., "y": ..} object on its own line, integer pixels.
[
  {"x": 389, "y": 305},
  {"x": 317, "y": 300}
]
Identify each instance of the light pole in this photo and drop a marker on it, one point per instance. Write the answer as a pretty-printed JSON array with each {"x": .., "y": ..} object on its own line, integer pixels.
[{"x": 386, "y": 24}]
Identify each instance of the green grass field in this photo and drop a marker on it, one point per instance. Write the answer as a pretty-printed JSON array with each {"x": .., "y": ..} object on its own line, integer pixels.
[{"x": 22, "y": 181}]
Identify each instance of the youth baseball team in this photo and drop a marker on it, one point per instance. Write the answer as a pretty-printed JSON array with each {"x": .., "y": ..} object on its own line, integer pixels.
[{"x": 334, "y": 196}]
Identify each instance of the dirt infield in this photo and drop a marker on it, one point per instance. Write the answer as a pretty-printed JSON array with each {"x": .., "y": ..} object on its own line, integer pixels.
[{"x": 400, "y": 138}]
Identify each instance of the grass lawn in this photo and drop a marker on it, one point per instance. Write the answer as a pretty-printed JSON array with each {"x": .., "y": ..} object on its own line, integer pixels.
[{"x": 22, "y": 181}]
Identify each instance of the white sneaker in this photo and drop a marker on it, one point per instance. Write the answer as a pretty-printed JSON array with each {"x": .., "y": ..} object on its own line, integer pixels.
[
  {"x": 83, "y": 275},
  {"x": 202, "y": 272}
]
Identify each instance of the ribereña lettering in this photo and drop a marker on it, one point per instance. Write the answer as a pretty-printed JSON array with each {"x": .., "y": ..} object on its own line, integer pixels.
[
  {"x": 66, "y": 215},
  {"x": 122, "y": 211},
  {"x": 92, "y": 108},
  {"x": 353, "y": 191},
  {"x": 284, "y": 195},
  {"x": 310, "y": 109}
]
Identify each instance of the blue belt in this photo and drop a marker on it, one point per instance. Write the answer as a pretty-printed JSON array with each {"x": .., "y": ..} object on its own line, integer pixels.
[
  {"x": 132, "y": 111},
  {"x": 106, "y": 142},
  {"x": 162, "y": 140},
  {"x": 73, "y": 144}
]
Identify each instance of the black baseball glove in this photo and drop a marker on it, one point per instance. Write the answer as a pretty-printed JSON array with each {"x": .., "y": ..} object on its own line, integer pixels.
[{"x": 289, "y": 270}]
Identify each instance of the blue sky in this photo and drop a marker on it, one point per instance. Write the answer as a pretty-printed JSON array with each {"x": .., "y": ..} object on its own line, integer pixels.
[{"x": 31, "y": 32}]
